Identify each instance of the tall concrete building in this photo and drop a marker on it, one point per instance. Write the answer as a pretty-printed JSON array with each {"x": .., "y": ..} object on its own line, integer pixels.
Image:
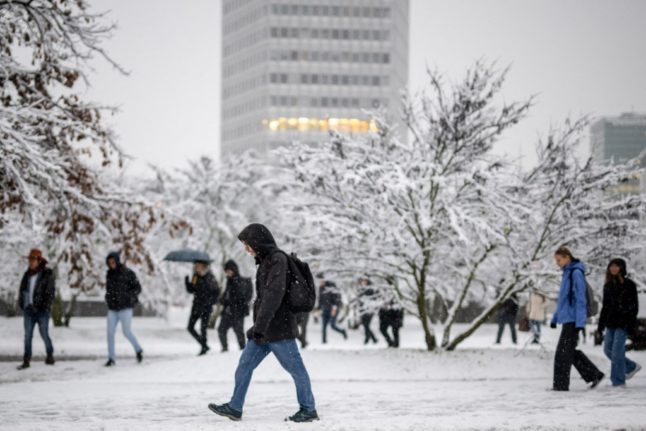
[
  {"x": 294, "y": 69},
  {"x": 620, "y": 139}
]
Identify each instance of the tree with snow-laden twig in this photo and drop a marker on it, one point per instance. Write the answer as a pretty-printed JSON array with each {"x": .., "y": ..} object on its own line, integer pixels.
[
  {"x": 441, "y": 218},
  {"x": 49, "y": 134}
]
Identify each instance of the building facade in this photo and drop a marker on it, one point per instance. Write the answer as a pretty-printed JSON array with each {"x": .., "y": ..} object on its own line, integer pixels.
[
  {"x": 620, "y": 139},
  {"x": 293, "y": 70}
]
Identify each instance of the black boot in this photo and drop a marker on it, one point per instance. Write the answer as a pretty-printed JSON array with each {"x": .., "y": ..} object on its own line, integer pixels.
[
  {"x": 25, "y": 364},
  {"x": 140, "y": 356},
  {"x": 50, "y": 360},
  {"x": 303, "y": 416},
  {"x": 204, "y": 350},
  {"x": 110, "y": 363},
  {"x": 226, "y": 411}
]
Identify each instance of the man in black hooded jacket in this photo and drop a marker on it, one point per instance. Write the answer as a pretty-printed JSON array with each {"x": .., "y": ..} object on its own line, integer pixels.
[
  {"x": 205, "y": 290},
  {"x": 121, "y": 291},
  {"x": 235, "y": 302},
  {"x": 274, "y": 329}
]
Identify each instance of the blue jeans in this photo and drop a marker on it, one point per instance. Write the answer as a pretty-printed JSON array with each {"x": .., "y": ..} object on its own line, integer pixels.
[
  {"x": 614, "y": 346},
  {"x": 288, "y": 356},
  {"x": 535, "y": 326},
  {"x": 125, "y": 316},
  {"x": 328, "y": 319},
  {"x": 31, "y": 319}
]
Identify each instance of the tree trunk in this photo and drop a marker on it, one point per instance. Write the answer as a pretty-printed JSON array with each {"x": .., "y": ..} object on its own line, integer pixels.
[
  {"x": 429, "y": 335},
  {"x": 474, "y": 326}
]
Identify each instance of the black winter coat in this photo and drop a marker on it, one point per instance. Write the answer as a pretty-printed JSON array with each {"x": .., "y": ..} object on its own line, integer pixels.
[
  {"x": 392, "y": 317},
  {"x": 205, "y": 290},
  {"x": 44, "y": 291},
  {"x": 122, "y": 288},
  {"x": 237, "y": 296},
  {"x": 620, "y": 305},
  {"x": 272, "y": 319},
  {"x": 510, "y": 307},
  {"x": 329, "y": 296}
]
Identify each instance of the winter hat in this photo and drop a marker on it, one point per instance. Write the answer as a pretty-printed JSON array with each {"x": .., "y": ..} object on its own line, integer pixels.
[
  {"x": 36, "y": 253},
  {"x": 230, "y": 265},
  {"x": 621, "y": 264}
]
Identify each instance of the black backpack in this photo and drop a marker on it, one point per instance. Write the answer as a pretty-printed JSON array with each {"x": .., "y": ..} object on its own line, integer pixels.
[
  {"x": 592, "y": 305},
  {"x": 301, "y": 290}
]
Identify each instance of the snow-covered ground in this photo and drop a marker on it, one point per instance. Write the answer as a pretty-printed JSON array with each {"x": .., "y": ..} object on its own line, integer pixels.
[{"x": 477, "y": 387}]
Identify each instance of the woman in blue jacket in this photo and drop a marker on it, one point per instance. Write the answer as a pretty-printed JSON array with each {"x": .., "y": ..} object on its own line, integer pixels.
[{"x": 571, "y": 313}]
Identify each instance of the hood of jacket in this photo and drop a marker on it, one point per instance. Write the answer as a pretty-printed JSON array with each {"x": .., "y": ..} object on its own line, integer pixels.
[
  {"x": 259, "y": 238},
  {"x": 575, "y": 264},
  {"x": 113, "y": 255},
  {"x": 231, "y": 265}
]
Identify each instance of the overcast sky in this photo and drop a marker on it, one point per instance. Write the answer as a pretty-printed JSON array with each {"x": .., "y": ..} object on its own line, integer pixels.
[{"x": 578, "y": 56}]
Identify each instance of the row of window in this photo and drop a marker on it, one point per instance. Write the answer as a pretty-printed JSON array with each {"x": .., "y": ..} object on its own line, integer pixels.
[
  {"x": 239, "y": 44},
  {"x": 330, "y": 56},
  {"x": 325, "y": 102},
  {"x": 324, "y": 10},
  {"x": 243, "y": 86},
  {"x": 231, "y": 5},
  {"x": 327, "y": 79},
  {"x": 248, "y": 18},
  {"x": 328, "y": 33}
]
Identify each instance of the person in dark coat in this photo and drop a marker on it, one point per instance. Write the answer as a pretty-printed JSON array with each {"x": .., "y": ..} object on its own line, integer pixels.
[
  {"x": 329, "y": 306},
  {"x": 121, "y": 291},
  {"x": 618, "y": 318},
  {"x": 366, "y": 297},
  {"x": 507, "y": 316},
  {"x": 391, "y": 316},
  {"x": 205, "y": 290},
  {"x": 235, "y": 302},
  {"x": 35, "y": 298},
  {"x": 274, "y": 328},
  {"x": 302, "y": 319},
  {"x": 571, "y": 313}
]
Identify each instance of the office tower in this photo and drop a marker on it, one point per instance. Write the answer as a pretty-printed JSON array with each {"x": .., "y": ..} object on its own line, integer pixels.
[{"x": 295, "y": 69}]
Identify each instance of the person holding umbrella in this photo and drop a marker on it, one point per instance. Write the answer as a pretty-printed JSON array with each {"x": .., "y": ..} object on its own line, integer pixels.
[{"x": 205, "y": 290}]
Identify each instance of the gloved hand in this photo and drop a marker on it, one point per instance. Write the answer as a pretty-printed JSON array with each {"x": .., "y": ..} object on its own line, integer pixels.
[
  {"x": 598, "y": 337},
  {"x": 252, "y": 335},
  {"x": 553, "y": 325},
  {"x": 187, "y": 280}
]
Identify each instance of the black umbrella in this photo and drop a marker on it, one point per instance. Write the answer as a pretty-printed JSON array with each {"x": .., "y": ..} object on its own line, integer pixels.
[{"x": 188, "y": 255}]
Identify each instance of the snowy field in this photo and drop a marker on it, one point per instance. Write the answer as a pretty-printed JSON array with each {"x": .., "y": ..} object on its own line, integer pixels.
[{"x": 479, "y": 387}]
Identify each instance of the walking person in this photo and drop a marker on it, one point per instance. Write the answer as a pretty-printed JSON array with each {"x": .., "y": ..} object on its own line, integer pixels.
[
  {"x": 35, "y": 298},
  {"x": 274, "y": 329},
  {"x": 302, "y": 320},
  {"x": 507, "y": 316},
  {"x": 571, "y": 312},
  {"x": 536, "y": 313},
  {"x": 366, "y": 299},
  {"x": 618, "y": 319},
  {"x": 329, "y": 306},
  {"x": 391, "y": 316},
  {"x": 205, "y": 290},
  {"x": 121, "y": 291},
  {"x": 235, "y": 301}
]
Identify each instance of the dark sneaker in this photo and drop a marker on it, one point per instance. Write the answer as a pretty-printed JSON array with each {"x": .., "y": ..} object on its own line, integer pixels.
[
  {"x": 224, "y": 350},
  {"x": 345, "y": 334},
  {"x": 596, "y": 381},
  {"x": 204, "y": 350},
  {"x": 50, "y": 360},
  {"x": 226, "y": 411},
  {"x": 303, "y": 416},
  {"x": 140, "y": 356},
  {"x": 24, "y": 365},
  {"x": 110, "y": 363}
]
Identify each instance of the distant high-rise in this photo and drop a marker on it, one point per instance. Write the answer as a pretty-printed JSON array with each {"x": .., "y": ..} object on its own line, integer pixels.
[
  {"x": 294, "y": 69},
  {"x": 620, "y": 139}
]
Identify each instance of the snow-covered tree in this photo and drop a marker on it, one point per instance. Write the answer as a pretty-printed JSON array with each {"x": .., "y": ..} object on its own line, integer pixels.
[
  {"x": 48, "y": 134},
  {"x": 441, "y": 218}
]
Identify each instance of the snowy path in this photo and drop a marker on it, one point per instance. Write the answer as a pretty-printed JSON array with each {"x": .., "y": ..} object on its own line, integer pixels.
[{"x": 356, "y": 389}]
